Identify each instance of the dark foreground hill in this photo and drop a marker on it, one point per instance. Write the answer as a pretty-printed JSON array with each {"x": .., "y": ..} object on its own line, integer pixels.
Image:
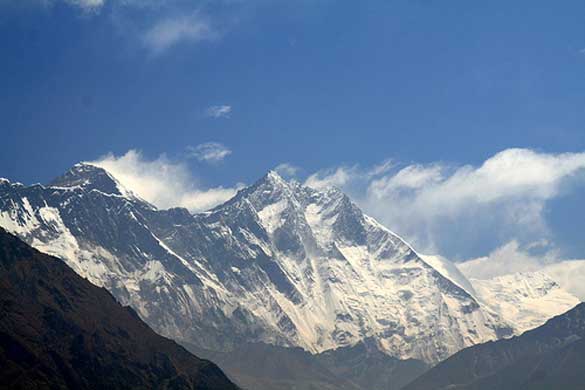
[
  {"x": 268, "y": 367},
  {"x": 58, "y": 331},
  {"x": 551, "y": 356}
]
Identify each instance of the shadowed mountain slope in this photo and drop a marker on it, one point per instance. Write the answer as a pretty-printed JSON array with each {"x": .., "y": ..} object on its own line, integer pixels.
[{"x": 59, "y": 331}]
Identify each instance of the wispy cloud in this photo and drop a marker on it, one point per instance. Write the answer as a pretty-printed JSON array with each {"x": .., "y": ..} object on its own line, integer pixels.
[
  {"x": 162, "y": 182},
  {"x": 340, "y": 177},
  {"x": 570, "y": 275},
  {"x": 222, "y": 111},
  {"x": 446, "y": 209},
  {"x": 508, "y": 259},
  {"x": 382, "y": 168},
  {"x": 349, "y": 178},
  {"x": 211, "y": 152},
  {"x": 170, "y": 31},
  {"x": 156, "y": 26},
  {"x": 87, "y": 5},
  {"x": 287, "y": 169}
]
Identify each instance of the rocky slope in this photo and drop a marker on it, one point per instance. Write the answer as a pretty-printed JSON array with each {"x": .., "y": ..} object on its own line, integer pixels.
[{"x": 58, "y": 331}]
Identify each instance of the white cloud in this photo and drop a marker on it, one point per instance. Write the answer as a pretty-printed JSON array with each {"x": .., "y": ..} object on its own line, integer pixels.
[
  {"x": 507, "y": 259},
  {"x": 211, "y": 152},
  {"x": 410, "y": 178},
  {"x": 570, "y": 275},
  {"x": 195, "y": 200},
  {"x": 287, "y": 170},
  {"x": 87, "y": 5},
  {"x": 511, "y": 173},
  {"x": 382, "y": 168},
  {"x": 162, "y": 182},
  {"x": 507, "y": 192},
  {"x": 170, "y": 31},
  {"x": 454, "y": 210},
  {"x": 223, "y": 111},
  {"x": 339, "y": 177}
]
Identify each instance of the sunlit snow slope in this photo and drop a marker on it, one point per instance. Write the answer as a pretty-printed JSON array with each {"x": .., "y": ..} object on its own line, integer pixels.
[{"x": 525, "y": 299}]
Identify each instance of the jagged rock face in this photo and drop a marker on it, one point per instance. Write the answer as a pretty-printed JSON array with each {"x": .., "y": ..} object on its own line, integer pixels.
[{"x": 279, "y": 263}]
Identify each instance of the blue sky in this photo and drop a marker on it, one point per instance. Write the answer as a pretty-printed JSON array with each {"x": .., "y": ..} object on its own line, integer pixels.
[{"x": 320, "y": 85}]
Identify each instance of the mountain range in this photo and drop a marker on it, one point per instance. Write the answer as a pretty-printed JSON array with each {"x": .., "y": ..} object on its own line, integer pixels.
[{"x": 280, "y": 265}]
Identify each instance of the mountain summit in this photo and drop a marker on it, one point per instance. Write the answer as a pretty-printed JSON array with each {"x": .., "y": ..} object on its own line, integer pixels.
[
  {"x": 279, "y": 263},
  {"x": 90, "y": 177}
]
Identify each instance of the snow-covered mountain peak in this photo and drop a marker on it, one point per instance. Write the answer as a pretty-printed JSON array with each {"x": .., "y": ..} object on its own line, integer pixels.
[
  {"x": 317, "y": 218},
  {"x": 4, "y": 182},
  {"x": 529, "y": 284},
  {"x": 270, "y": 188},
  {"x": 272, "y": 184},
  {"x": 525, "y": 299},
  {"x": 523, "y": 285},
  {"x": 88, "y": 176},
  {"x": 273, "y": 176},
  {"x": 337, "y": 276}
]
